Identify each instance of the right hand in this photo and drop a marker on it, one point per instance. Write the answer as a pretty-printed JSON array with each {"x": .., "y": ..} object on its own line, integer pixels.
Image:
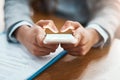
[
  {"x": 86, "y": 38},
  {"x": 32, "y": 37}
]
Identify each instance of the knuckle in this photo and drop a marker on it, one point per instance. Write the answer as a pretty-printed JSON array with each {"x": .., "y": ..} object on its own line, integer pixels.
[
  {"x": 35, "y": 51},
  {"x": 82, "y": 51},
  {"x": 47, "y": 53},
  {"x": 36, "y": 30},
  {"x": 53, "y": 50},
  {"x": 76, "y": 22},
  {"x": 44, "y": 53},
  {"x": 41, "y": 20},
  {"x": 56, "y": 46},
  {"x": 68, "y": 21},
  {"x": 51, "y": 21}
]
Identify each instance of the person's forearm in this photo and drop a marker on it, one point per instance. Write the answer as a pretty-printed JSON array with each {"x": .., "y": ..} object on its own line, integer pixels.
[
  {"x": 17, "y": 10},
  {"x": 95, "y": 36},
  {"x": 106, "y": 13},
  {"x": 103, "y": 34}
]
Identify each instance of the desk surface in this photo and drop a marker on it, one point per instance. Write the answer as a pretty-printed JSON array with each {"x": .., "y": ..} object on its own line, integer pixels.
[{"x": 96, "y": 65}]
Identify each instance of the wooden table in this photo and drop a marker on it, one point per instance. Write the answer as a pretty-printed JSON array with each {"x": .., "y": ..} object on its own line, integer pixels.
[{"x": 98, "y": 64}]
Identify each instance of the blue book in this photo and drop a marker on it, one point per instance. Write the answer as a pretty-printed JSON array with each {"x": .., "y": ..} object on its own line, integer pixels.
[{"x": 17, "y": 63}]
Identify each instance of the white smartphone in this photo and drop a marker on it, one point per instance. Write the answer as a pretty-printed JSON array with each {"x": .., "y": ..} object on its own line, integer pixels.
[{"x": 59, "y": 38}]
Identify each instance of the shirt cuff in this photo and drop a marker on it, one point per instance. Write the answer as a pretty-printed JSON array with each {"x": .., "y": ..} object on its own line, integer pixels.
[
  {"x": 102, "y": 33},
  {"x": 10, "y": 35}
]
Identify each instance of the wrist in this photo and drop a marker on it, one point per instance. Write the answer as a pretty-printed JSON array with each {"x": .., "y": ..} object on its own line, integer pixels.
[
  {"x": 95, "y": 36},
  {"x": 21, "y": 31}
]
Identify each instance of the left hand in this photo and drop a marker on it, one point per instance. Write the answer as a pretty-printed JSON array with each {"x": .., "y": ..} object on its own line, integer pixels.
[
  {"x": 86, "y": 38},
  {"x": 32, "y": 37}
]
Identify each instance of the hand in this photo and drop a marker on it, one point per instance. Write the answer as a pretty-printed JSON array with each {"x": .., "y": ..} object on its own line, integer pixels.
[
  {"x": 32, "y": 37},
  {"x": 86, "y": 38}
]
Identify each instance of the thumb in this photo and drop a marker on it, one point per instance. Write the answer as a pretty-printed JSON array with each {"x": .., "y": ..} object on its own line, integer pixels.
[
  {"x": 78, "y": 38},
  {"x": 70, "y": 25},
  {"x": 52, "y": 28},
  {"x": 77, "y": 35},
  {"x": 40, "y": 36},
  {"x": 39, "y": 39},
  {"x": 66, "y": 28},
  {"x": 48, "y": 24}
]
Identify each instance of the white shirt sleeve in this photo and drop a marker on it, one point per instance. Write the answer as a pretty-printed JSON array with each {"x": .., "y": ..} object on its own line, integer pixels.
[
  {"x": 10, "y": 35},
  {"x": 102, "y": 32}
]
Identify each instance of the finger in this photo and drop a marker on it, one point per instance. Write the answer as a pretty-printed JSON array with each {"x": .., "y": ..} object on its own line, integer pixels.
[
  {"x": 51, "y": 27},
  {"x": 37, "y": 50},
  {"x": 39, "y": 37},
  {"x": 67, "y": 46},
  {"x": 74, "y": 53},
  {"x": 75, "y": 49},
  {"x": 67, "y": 26},
  {"x": 40, "y": 53},
  {"x": 51, "y": 46},
  {"x": 47, "y": 48},
  {"x": 77, "y": 34},
  {"x": 70, "y": 25},
  {"x": 77, "y": 53},
  {"x": 84, "y": 36},
  {"x": 48, "y": 24},
  {"x": 42, "y": 23},
  {"x": 81, "y": 35}
]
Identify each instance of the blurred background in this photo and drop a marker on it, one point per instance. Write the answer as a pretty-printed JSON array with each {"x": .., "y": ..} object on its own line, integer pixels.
[{"x": 41, "y": 10}]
